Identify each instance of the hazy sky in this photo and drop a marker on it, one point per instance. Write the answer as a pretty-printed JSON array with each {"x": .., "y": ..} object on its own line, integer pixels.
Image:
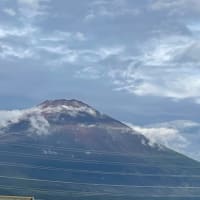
[{"x": 137, "y": 60}]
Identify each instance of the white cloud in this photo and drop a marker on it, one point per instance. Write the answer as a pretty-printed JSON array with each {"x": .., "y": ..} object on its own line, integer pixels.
[
  {"x": 177, "y": 7},
  {"x": 30, "y": 41},
  {"x": 23, "y": 47},
  {"x": 80, "y": 36},
  {"x": 165, "y": 50},
  {"x": 169, "y": 137},
  {"x": 11, "y": 52},
  {"x": 20, "y": 49},
  {"x": 167, "y": 67},
  {"x": 9, "y": 11},
  {"x": 31, "y": 3},
  {"x": 82, "y": 57},
  {"x": 111, "y": 9},
  {"x": 88, "y": 73},
  {"x": 39, "y": 124},
  {"x": 7, "y": 117},
  {"x": 49, "y": 152},
  {"x": 57, "y": 48},
  {"x": 194, "y": 27},
  {"x": 176, "y": 84},
  {"x": 159, "y": 4},
  {"x": 197, "y": 101},
  {"x": 181, "y": 135},
  {"x": 105, "y": 52},
  {"x": 32, "y": 8},
  {"x": 6, "y": 32},
  {"x": 61, "y": 36}
]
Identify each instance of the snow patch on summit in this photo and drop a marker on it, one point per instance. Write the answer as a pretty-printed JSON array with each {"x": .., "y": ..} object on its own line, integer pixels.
[{"x": 71, "y": 110}]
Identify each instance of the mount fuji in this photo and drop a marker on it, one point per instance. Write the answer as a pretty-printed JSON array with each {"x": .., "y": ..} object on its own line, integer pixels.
[{"x": 66, "y": 149}]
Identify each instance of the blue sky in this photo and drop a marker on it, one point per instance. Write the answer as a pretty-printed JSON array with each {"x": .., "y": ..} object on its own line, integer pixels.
[{"x": 137, "y": 60}]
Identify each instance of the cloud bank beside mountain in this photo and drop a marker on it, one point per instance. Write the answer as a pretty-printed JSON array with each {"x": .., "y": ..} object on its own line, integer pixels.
[{"x": 182, "y": 136}]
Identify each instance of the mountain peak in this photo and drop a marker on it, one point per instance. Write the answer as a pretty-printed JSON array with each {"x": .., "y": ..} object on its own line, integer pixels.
[
  {"x": 62, "y": 102},
  {"x": 70, "y": 107},
  {"x": 67, "y": 141}
]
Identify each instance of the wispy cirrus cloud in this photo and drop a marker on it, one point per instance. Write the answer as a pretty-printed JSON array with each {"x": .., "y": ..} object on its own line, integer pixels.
[
  {"x": 58, "y": 47},
  {"x": 64, "y": 36},
  {"x": 83, "y": 56},
  {"x": 28, "y": 41},
  {"x": 24, "y": 31},
  {"x": 11, "y": 52},
  {"x": 16, "y": 42},
  {"x": 110, "y": 9},
  {"x": 9, "y": 11},
  {"x": 88, "y": 73},
  {"x": 166, "y": 67},
  {"x": 32, "y": 8},
  {"x": 20, "y": 35},
  {"x": 177, "y": 7}
]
